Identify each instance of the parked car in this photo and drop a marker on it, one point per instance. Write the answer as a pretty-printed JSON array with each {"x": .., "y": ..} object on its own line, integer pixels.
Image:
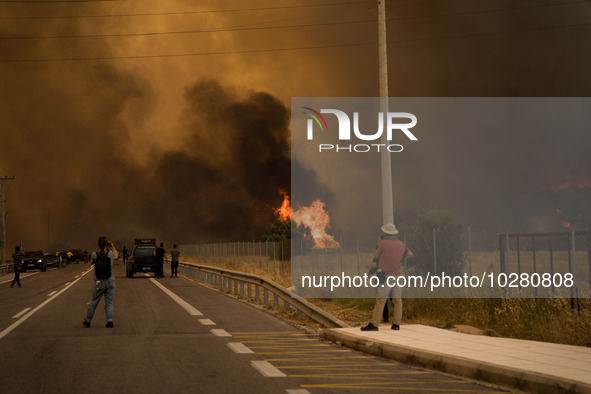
[
  {"x": 142, "y": 257},
  {"x": 34, "y": 260},
  {"x": 52, "y": 259}
]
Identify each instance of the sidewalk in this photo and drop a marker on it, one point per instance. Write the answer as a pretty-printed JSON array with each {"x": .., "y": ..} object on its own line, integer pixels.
[{"x": 530, "y": 366}]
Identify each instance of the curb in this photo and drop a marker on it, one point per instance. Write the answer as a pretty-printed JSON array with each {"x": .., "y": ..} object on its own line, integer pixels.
[{"x": 460, "y": 366}]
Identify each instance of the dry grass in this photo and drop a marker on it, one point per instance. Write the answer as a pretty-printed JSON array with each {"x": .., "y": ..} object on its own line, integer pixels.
[{"x": 548, "y": 320}]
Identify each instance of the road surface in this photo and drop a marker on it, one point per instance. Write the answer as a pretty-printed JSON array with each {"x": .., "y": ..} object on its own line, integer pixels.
[{"x": 175, "y": 336}]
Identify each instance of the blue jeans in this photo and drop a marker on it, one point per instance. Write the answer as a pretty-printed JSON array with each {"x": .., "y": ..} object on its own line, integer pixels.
[
  {"x": 17, "y": 274},
  {"x": 106, "y": 287}
]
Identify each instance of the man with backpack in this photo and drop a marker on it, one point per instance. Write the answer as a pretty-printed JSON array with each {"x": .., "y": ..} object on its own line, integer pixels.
[{"x": 104, "y": 280}]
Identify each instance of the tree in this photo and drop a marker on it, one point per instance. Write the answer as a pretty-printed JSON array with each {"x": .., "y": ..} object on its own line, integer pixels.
[
  {"x": 279, "y": 230},
  {"x": 450, "y": 242}
]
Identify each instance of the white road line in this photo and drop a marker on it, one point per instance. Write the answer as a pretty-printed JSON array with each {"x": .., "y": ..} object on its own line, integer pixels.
[
  {"x": 185, "y": 305},
  {"x": 206, "y": 322},
  {"x": 21, "y": 313},
  {"x": 218, "y": 332},
  {"x": 31, "y": 313},
  {"x": 67, "y": 283},
  {"x": 266, "y": 369},
  {"x": 239, "y": 347},
  {"x": 21, "y": 277},
  {"x": 297, "y": 391},
  {"x": 52, "y": 293}
]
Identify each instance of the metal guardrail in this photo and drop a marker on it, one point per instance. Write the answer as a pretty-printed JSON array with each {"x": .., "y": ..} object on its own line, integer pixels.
[
  {"x": 251, "y": 286},
  {"x": 6, "y": 269}
]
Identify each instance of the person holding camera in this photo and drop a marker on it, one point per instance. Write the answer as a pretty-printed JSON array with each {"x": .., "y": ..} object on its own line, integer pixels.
[
  {"x": 386, "y": 263},
  {"x": 104, "y": 280}
]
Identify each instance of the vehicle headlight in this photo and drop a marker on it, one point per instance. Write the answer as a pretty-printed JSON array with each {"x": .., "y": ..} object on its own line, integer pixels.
[{"x": 39, "y": 260}]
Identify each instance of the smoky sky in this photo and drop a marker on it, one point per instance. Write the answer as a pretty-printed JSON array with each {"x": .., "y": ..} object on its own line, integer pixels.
[{"x": 117, "y": 119}]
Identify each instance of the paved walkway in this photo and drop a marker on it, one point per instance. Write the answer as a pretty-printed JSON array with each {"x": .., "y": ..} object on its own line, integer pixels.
[{"x": 526, "y": 365}]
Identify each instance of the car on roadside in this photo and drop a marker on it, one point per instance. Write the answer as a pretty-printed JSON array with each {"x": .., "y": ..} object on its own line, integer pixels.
[
  {"x": 34, "y": 260},
  {"x": 141, "y": 257},
  {"x": 52, "y": 259}
]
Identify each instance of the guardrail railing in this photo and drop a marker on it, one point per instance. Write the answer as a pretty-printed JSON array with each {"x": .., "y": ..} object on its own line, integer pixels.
[
  {"x": 6, "y": 269},
  {"x": 258, "y": 289}
]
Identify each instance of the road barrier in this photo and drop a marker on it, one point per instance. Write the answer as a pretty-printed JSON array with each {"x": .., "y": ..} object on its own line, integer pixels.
[
  {"x": 6, "y": 269},
  {"x": 258, "y": 289}
]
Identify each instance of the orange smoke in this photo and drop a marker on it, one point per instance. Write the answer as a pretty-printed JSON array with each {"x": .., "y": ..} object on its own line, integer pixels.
[
  {"x": 317, "y": 220},
  {"x": 284, "y": 211}
]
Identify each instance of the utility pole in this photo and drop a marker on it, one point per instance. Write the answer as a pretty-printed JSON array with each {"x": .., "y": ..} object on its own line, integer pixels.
[
  {"x": 387, "y": 199},
  {"x": 48, "y": 231},
  {"x": 4, "y": 220}
]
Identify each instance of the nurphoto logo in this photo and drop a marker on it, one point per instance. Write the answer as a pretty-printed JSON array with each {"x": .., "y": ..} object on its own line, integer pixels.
[{"x": 391, "y": 124}]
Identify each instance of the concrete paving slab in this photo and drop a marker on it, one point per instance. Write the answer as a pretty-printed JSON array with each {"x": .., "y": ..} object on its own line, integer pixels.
[{"x": 526, "y": 365}]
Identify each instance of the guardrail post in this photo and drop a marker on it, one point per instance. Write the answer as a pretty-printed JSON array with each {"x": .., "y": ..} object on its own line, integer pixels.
[
  {"x": 257, "y": 296},
  {"x": 276, "y": 300},
  {"x": 248, "y": 291},
  {"x": 266, "y": 296},
  {"x": 286, "y": 305},
  {"x": 241, "y": 289}
]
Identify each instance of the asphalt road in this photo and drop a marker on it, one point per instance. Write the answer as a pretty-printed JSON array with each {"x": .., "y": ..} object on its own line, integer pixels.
[{"x": 175, "y": 336}]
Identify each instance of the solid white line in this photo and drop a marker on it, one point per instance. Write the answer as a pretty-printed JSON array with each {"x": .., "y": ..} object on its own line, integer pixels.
[
  {"x": 21, "y": 313},
  {"x": 52, "y": 293},
  {"x": 297, "y": 391},
  {"x": 206, "y": 322},
  {"x": 239, "y": 347},
  {"x": 31, "y": 313},
  {"x": 22, "y": 276},
  {"x": 218, "y": 332},
  {"x": 67, "y": 283},
  {"x": 266, "y": 369},
  {"x": 185, "y": 305}
]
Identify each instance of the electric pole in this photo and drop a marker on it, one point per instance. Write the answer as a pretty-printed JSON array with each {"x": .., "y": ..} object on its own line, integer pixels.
[
  {"x": 387, "y": 199},
  {"x": 4, "y": 220}
]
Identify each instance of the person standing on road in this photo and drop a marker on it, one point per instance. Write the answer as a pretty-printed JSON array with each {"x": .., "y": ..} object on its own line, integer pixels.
[
  {"x": 174, "y": 261},
  {"x": 104, "y": 280},
  {"x": 159, "y": 253},
  {"x": 387, "y": 262},
  {"x": 17, "y": 257},
  {"x": 124, "y": 255}
]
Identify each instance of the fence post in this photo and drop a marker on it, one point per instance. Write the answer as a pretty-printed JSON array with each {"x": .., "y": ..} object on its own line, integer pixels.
[
  {"x": 501, "y": 255},
  {"x": 434, "y": 252}
]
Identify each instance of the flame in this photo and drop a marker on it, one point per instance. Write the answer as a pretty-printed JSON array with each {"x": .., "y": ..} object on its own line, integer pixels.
[
  {"x": 284, "y": 211},
  {"x": 579, "y": 183},
  {"x": 565, "y": 223},
  {"x": 317, "y": 220}
]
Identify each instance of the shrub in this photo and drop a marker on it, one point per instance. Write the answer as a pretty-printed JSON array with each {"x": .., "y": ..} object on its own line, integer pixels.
[{"x": 450, "y": 243}]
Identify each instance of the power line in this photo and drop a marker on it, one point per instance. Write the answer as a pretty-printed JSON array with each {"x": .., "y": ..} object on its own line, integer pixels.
[
  {"x": 236, "y": 29},
  {"x": 185, "y": 12},
  {"x": 212, "y": 30},
  {"x": 578, "y": 25}
]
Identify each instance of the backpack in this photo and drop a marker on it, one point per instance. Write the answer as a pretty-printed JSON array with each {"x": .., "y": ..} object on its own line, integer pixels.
[{"x": 102, "y": 266}]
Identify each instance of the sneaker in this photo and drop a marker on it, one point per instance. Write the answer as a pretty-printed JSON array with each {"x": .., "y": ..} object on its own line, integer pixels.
[
  {"x": 110, "y": 324},
  {"x": 369, "y": 327},
  {"x": 395, "y": 327},
  {"x": 86, "y": 323},
  {"x": 12, "y": 285}
]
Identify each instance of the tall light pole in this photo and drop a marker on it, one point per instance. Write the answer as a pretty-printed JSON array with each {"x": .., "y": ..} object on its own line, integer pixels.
[
  {"x": 4, "y": 220},
  {"x": 387, "y": 199}
]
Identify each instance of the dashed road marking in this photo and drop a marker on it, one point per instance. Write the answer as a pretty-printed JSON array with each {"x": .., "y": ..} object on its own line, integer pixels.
[
  {"x": 206, "y": 322},
  {"x": 239, "y": 348},
  {"x": 184, "y": 304},
  {"x": 21, "y": 313},
  {"x": 22, "y": 277},
  {"x": 52, "y": 293},
  {"x": 297, "y": 391},
  {"x": 218, "y": 332},
  {"x": 266, "y": 369},
  {"x": 32, "y": 312}
]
